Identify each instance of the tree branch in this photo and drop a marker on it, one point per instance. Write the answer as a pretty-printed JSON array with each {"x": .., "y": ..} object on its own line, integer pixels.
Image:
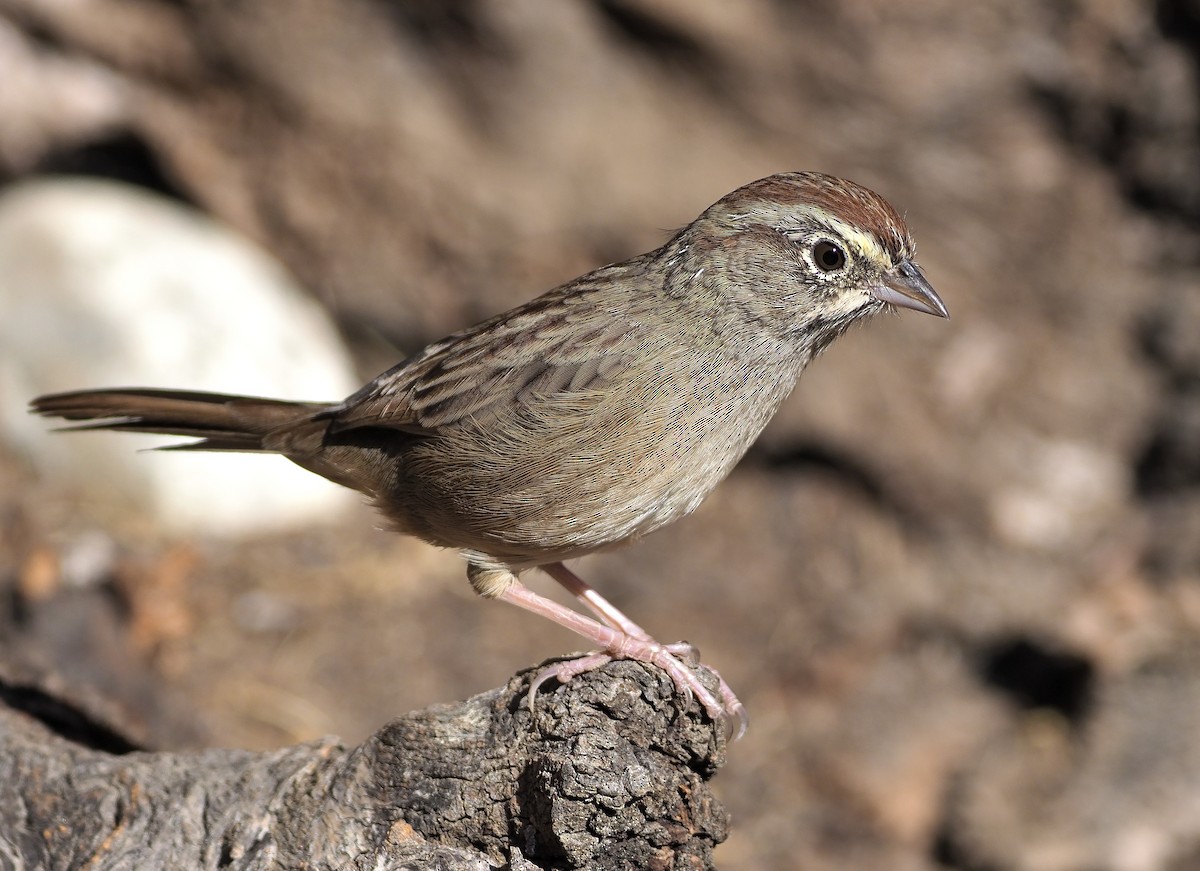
[{"x": 607, "y": 773}]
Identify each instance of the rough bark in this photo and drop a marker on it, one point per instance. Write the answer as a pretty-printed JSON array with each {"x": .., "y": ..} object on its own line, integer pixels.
[{"x": 606, "y": 773}]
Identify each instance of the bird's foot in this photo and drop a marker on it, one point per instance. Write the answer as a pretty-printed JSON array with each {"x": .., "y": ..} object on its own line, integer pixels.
[
  {"x": 621, "y": 638},
  {"x": 725, "y": 709}
]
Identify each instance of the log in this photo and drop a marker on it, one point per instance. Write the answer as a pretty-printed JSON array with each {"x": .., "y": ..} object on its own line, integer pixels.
[{"x": 610, "y": 771}]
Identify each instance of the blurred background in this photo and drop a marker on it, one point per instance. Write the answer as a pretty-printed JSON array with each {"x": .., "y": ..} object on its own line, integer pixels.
[{"x": 957, "y": 582}]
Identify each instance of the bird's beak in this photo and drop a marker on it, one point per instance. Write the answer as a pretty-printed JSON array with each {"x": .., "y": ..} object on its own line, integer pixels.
[{"x": 905, "y": 287}]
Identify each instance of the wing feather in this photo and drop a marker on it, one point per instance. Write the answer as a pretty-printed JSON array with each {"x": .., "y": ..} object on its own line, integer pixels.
[{"x": 557, "y": 344}]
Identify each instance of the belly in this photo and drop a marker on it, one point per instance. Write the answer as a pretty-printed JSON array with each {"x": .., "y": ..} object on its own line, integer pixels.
[{"x": 548, "y": 484}]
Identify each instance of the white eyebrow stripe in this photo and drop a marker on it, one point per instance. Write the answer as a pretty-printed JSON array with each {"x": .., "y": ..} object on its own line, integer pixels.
[{"x": 864, "y": 244}]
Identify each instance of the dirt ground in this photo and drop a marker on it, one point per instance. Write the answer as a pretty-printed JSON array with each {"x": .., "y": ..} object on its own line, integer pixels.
[{"x": 957, "y": 582}]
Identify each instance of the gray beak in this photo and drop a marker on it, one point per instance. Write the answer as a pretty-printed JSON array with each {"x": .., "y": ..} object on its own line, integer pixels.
[{"x": 905, "y": 287}]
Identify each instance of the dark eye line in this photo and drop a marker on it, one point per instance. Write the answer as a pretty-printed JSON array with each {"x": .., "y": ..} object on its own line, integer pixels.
[{"x": 826, "y": 254}]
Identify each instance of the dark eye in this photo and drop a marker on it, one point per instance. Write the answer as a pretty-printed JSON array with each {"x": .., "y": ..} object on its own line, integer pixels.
[{"x": 828, "y": 257}]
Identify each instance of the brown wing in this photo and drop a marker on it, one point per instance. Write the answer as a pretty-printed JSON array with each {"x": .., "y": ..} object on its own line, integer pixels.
[{"x": 564, "y": 341}]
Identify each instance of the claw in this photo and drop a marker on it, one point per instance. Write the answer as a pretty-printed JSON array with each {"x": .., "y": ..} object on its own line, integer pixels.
[{"x": 563, "y": 672}]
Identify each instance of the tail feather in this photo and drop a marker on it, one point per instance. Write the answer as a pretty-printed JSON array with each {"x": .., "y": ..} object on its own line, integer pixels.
[{"x": 223, "y": 422}]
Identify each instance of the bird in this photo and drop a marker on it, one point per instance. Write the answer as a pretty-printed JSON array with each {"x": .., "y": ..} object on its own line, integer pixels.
[{"x": 590, "y": 416}]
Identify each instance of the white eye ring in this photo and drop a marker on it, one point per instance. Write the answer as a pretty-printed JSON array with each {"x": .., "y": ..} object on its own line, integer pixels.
[{"x": 828, "y": 256}]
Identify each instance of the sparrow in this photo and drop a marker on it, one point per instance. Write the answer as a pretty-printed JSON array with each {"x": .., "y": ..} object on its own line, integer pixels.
[{"x": 590, "y": 416}]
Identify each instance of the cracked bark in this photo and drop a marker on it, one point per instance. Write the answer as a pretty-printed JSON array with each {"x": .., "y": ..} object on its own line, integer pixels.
[{"x": 610, "y": 772}]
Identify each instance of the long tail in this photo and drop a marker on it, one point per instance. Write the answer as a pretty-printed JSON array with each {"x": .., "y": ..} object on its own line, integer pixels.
[{"x": 222, "y": 422}]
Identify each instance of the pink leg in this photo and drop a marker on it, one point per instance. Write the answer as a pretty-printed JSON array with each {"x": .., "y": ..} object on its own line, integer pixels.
[
  {"x": 597, "y": 604},
  {"x": 620, "y": 638},
  {"x": 612, "y": 617},
  {"x": 608, "y": 613}
]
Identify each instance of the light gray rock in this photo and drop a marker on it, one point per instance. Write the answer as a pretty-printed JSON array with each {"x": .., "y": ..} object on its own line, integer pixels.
[{"x": 103, "y": 284}]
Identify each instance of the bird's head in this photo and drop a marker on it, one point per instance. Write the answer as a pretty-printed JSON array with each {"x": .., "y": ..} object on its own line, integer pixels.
[{"x": 811, "y": 253}]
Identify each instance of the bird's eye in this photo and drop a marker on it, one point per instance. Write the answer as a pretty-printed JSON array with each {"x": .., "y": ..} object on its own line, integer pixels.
[{"x": 828, "y": 257}]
